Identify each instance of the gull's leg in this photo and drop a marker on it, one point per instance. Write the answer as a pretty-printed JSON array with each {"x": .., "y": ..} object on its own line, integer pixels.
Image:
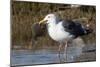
[
  {"x": 59, "y": 52},
  {"x": 65, "y": 51}
]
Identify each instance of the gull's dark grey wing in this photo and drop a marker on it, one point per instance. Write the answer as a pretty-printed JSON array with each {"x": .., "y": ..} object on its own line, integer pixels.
[{"x": 74, "y": 28}]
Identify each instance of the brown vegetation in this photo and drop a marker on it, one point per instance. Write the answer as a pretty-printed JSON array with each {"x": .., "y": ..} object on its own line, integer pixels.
[{"x": 24, "y": 14}]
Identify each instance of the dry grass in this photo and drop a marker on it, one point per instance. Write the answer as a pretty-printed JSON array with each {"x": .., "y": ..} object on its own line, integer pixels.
[{"x": 24, "y": 14}]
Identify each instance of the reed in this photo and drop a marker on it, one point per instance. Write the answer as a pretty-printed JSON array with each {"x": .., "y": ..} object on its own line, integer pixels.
[{"x": 24, "y": 14}]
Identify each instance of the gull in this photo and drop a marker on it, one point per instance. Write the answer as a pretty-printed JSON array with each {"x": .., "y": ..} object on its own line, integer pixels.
[{"x": 63, "y": 31}]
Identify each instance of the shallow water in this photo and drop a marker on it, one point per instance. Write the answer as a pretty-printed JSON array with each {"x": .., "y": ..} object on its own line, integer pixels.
[
  {"x": 43, "y": 56},
  {"x": 78, "y": 52}
]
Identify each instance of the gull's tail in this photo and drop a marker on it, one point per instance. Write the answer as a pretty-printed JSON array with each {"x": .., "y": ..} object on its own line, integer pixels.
[{"x": 88, "y": 30}]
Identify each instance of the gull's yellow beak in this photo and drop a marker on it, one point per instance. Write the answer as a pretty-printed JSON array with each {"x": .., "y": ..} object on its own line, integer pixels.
[{"x": 42, "y": 21}]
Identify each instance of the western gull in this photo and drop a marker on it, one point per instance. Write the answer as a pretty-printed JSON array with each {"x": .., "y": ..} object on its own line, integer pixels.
[{"x": 63, "y": 31}]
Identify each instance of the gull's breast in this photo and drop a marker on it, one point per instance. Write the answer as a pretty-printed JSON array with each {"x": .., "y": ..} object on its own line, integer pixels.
[{"x": 57, "y": 33}]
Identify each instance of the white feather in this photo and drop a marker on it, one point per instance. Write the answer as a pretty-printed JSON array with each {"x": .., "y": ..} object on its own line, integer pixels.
[{"x": 57, "y": 32}]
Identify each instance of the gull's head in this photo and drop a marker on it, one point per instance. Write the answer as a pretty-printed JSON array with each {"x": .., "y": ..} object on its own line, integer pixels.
[{"x": 49, "y": 17}]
